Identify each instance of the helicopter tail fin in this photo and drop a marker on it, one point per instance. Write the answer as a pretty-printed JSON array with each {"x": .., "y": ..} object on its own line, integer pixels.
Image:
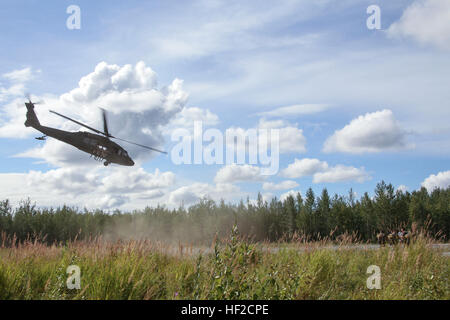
[{"x": 32, "y": 119}]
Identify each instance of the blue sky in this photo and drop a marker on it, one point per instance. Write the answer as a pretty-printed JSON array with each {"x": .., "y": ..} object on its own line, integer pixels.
[{"x": 242, "y": 65}]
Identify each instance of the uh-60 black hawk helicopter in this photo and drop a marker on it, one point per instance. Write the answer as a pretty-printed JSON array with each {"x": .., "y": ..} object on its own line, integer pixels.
[{"x": 98, "y": 145}]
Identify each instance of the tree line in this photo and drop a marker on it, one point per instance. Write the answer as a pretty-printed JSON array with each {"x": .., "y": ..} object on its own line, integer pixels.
[{"x": 310, "y": 216}]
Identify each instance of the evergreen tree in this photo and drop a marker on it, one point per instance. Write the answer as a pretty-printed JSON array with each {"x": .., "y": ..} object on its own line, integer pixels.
[{"x": 323, "y": 213}]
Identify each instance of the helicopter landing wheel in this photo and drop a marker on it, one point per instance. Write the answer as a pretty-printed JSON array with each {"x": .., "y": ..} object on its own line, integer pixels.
[{"x": 105, "y": 163}]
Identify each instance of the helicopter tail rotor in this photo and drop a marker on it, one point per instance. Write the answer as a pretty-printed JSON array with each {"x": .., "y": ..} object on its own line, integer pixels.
[
  {"x": 32, "y": 119},
  {"x": 28, "y": 96}
]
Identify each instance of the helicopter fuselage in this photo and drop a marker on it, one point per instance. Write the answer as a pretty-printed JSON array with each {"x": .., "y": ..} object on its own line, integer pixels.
[{"x": 98, "y": 146}]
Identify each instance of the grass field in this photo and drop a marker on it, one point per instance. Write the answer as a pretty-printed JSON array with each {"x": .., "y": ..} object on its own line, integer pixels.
[{"x": 232, "y": 269}]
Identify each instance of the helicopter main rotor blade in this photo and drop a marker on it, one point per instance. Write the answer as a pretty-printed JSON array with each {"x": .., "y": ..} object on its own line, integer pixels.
[
  {"x": 140, "y": 145},
  {"x": 81, "y": 124}
]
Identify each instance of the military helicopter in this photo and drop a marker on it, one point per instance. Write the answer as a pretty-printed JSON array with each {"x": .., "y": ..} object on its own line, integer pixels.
[{"x": 98, "y": 145}]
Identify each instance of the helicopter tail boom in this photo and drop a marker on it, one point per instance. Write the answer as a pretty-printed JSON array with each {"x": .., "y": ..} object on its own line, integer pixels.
[{"x": 32, "y": 119}]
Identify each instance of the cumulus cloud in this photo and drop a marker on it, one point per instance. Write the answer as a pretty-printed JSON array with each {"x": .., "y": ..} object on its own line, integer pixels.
[
  {"x": 191, "y": 193},
  {"x": 112, "y": 201},
  {"x": 304, "y": 167},
  {"x": 102, "y": 188},
  {"x": 292, "y": 193},
  {"x": 63, "y": 181},
  {"x": 440, "y": 180},
  {"x": 137, "y": 111},
  {"x": 322, "y": 172},
  {"x": 130, "y": 182},
  {"x": 402, "y": 188},
  {"x": 187, "y": 116},
  {"x": 372, "y": 132},
  {"x": 287, "y": 184},
  {"x": 341, "y": 173},
  {"x": 291, "y": 138},
  {"x": 238, "y": 173},
  {"x": 425, "y": 21},
  {"x": 126, "y": 181}
]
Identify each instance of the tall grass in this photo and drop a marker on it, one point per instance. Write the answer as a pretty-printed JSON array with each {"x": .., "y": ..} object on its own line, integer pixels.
[{"x": 230, "y": 269}]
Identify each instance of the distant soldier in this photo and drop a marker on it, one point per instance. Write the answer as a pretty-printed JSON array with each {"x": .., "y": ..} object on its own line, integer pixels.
[
  {"x": 401, "y": 235},
  {"x": 407, "y": 237},
  {"x": 392, "y": 237},
  {"x": 381, "y": 238}
]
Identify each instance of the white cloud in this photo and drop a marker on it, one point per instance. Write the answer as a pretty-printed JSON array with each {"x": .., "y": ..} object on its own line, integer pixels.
[
  {"x": 108, "y": 201},
  {"x": 63, "y": 181},
  {"x": 341, "y": 173},
  {"x": 102, "y": 188},
  {"x": 402, "y": 188},
  {"x": 112, "y": 181},
  {"x": 425, "y": 21},
  {"x": 238, "y": 173},
  {"x": 372, "y": 132},
  {"x": 304, "y": 167},
  {"x": 287, "y": 184},
  {"x": 292, "y": 193},
  {"x": 322, "y": 172},
  {"x": 291, "y": 138},
  {"x": 187, "y": 116},
  {"x": 295, "y": 110},
  {"x": 440, "y": 180},
  {"x": 21, "y": 75},
  {"x": 191, "y": 193},
  {"x": 124, "y": 181}
]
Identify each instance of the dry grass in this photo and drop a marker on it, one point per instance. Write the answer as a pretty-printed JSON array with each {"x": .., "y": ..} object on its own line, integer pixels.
[{"x": 231, "y": 269}]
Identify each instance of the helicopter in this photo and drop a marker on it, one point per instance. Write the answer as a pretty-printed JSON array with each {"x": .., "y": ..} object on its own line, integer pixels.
[{"x": 98, "y": 144}]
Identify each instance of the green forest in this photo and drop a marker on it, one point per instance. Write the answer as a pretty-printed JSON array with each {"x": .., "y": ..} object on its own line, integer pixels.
[{"x": 310, "y": 217}]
